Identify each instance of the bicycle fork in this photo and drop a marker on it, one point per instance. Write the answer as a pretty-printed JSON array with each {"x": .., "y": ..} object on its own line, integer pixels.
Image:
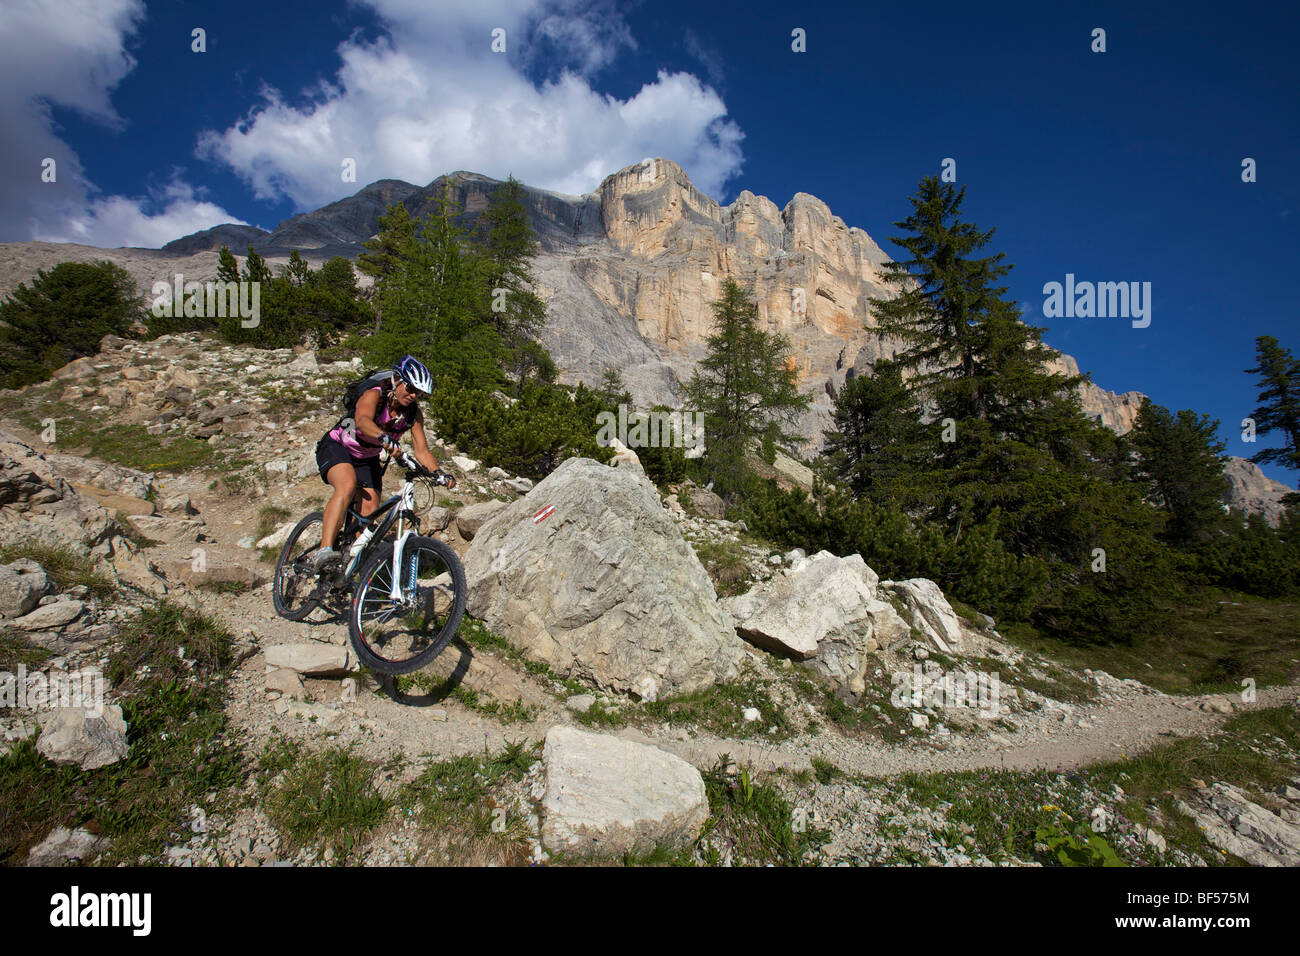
[{"x": 395, "y": 592}]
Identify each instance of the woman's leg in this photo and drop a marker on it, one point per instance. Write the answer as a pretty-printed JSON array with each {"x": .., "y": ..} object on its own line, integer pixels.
[{"x": 343, "y": 479}]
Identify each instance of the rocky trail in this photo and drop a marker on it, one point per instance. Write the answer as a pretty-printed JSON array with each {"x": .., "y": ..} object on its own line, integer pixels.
[{"x": 598, "y": 631}]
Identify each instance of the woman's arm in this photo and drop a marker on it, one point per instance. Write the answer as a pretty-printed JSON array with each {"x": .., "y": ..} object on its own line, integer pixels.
[{"x": 367, "y": 408}]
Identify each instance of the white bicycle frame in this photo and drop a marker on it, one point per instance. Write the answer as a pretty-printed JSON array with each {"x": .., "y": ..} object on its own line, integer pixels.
[{"x": 406, "y": 504}]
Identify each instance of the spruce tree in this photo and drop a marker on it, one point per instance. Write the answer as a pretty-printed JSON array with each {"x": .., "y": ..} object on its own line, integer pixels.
[
  {"x": 1180, "y": 468},
  {"x": 1279, "y": 401},
  {"x": 743, "y": 385},
  {"x": 877, "y": 425}
]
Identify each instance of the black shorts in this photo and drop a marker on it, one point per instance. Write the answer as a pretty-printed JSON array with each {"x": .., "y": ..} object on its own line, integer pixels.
[{"x": 329, "y": 453}]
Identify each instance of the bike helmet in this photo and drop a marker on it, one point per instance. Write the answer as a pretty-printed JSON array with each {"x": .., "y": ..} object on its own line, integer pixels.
[{"x": 414, "y": 374}]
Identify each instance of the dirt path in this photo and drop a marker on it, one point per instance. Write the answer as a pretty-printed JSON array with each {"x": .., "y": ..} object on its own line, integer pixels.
[{"x": 1068, "y": 737}]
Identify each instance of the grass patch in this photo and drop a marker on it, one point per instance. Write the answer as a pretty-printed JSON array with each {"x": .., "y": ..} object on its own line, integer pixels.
[
  {"x": 753, "y": 821},
  {"x": 123, "y": 443},
  {"x": 66, "y": 567},
  {"x": 1208, "y": 645},
  {"x": 181, "y": 748},
  {"x": 461, "y": 806},
  {"x": 726, "y": 566},
  {"x": 601, "y": 715},
  {"x": 720, "y": 710},
  {"x": 329, "y": 798},
  {"x": 16, "y": 650}
]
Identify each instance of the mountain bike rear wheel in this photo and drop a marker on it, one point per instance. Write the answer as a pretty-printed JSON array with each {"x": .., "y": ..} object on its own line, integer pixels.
[
  {"x": 399, "y": 636},
  {"x": 295, "y": 591}
]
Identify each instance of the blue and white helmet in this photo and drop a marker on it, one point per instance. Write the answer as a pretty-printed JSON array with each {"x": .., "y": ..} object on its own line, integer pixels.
[{"x": 414, "y": 374}]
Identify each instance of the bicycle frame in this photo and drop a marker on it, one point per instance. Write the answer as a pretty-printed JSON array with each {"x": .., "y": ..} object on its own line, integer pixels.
[{"x": 399, "y": 510}]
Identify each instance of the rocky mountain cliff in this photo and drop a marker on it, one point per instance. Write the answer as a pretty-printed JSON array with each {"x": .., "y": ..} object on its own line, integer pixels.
[{"x": 629, "y": 272}]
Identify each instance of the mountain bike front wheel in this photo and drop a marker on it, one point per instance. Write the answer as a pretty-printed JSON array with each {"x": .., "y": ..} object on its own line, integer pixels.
[{"x": 396, "y": 636}]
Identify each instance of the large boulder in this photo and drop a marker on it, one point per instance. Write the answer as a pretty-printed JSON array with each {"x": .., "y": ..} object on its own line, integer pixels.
[
  {"x": 824, "y": 610},
  {"x": 928, "y": 611},
  {"x": 590, "y": 575},
  {"x": 607, "y": 797},
  {"x": 472, "y": 517},
  {"x": 117, "y": 479}
]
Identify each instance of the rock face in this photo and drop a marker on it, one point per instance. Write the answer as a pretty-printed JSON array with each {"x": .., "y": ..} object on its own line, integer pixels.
[
  {"x": 1253, "y": 492},
  {"x": 603, "y": 587},
  {"x": 72, "y": 735},
  {"x": 1234, "y": 823},
  {"x": 824, "y": 610},
  {"x": 36, "y": 503},
  {"x": 929, "y": 612},
  {"x": 472, "y": 517},
  {"x": 606, "y": 796}
]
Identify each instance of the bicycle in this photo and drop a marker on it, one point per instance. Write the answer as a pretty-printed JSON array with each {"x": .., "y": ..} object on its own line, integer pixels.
[{"x": 407, "y": 595}]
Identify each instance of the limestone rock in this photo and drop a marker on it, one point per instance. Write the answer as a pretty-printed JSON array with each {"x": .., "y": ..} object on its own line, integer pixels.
[
  {"x": 606, "y": 796},
  {"x": 284, "y": 680},
  {"x": 65, "y": 846},
  {"x": 466, "y": 465},
  {"x": 825, "y": 610},
  {"x": 168, "y": 529},
  {"x": 472, "y": 517},
  {"x": 599, "y": 584},
  {"x": 72, "y": 735},
  {"x": 1232, "y": 822},
  {"x": 314, "y": 660},
  {"x": 437, "y": 518},
  {"x": 22, "y": 585},
  {"x": 50, "y": 616},
  {"x": 1253, "y": 492},
  {"x": 929, "y": 612},
  {"x": 277, "y": 538}
]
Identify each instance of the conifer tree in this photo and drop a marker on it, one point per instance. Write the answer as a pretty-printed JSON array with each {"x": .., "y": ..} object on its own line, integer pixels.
[
  {"x": 1279, "y": 401},
  {"x": 743, "y": 385},
  {"x": 877, "y": 425},
  {"x": 1180, "y": 468}
]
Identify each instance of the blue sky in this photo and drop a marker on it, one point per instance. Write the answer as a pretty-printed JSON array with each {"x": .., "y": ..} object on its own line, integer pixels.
[{"x": 1115, "y": 166}]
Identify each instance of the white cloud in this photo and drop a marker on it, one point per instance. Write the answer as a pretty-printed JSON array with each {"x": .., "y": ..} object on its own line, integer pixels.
[
  {"x": 431, "y": 97},
  {"x": 122, "y": 221},
  {"x": 73, "y": 53}
]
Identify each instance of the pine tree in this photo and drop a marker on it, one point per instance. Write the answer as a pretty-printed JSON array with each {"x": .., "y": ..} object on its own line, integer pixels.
[
  {"x": 1279, "y": 398},
  {"x": 1180, "y": 468},
  {"x": 743, "y": 385},
  {"x": 227, "y": 266},
  {"x": 62, "y": 316},
  {"x": 943, "y": 293},
  {"x": 392, "y": 246},
  {"x": 877, "y": 425},
  {"x": 435, "y": 305},
  {"x": 255, "y": 267}
]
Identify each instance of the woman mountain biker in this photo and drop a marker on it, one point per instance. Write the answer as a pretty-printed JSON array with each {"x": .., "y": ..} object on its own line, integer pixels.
[{"x": 348, "y": 454}]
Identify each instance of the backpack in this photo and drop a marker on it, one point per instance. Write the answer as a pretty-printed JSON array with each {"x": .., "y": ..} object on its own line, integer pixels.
[{"x": 379, "y": 376}]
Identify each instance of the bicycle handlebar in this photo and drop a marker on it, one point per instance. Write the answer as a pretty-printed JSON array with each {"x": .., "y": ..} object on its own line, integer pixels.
[{"x": 439, "y": 477}]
